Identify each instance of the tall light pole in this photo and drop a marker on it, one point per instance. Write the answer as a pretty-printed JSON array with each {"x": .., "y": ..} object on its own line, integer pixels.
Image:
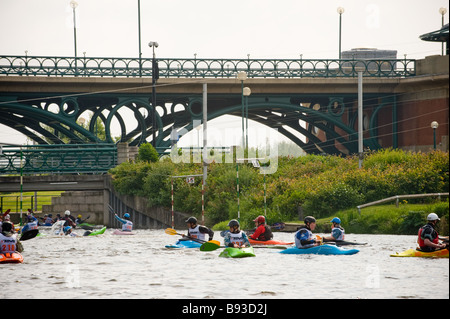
[
  {"x": 434, "y": 126},
  {"x": 242, "y": 76},
  {"x": 139, "y": 37},
  {"x": 246, "y": 92},
  {"x": 74, "y": 5},
  {"x": 442, "y": 11},
  {"x": 155, "y": 77},
  {"x": 340, "y": 10}
]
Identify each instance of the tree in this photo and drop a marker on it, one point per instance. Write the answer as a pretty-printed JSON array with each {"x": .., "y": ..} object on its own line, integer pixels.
[{"x": 147, "y": 153}]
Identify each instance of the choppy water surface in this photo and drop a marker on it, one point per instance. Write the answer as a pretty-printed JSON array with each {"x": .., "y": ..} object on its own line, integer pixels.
[{"x": 110, "y": 266}]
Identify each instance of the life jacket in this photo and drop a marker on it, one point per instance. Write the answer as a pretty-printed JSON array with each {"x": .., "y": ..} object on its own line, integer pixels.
[
  {"x": 266, "y": 235},
  {"x": 237, "y": 238},
  {"x": 195, "y": 233},
  {"x": 341, "y": 233},
  {"x": 128, "y": 226},
  {"x": 8, "y": 243},
  {"x": 434, "y": 237},
  {"x": 307, "y": 235}
]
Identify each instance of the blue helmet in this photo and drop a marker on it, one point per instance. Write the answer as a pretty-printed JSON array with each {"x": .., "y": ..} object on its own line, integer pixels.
[
  {"x": 126, "y": 215},
  {"x": 336, "y": 220},
  {"x": 67, "y": 228}
]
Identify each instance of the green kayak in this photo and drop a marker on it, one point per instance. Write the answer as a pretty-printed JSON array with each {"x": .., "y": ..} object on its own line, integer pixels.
[
  {"x": 97, "y": 232},
  {"x": 231, "y": 252}
]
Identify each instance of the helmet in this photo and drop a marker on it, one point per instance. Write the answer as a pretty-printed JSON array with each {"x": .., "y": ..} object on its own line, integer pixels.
[
  {"x": 432, "y": 217},
  {"x": 192, "y": 220},
  {"x": 260, "y": 219},
  {"x": 67, "y": 228},
  {"x": 309, "y": 219},
  {"x": 336, "y": 220},
  {"x": 67, "y": 212},
  {"x": 233, "y": 223},
  {"x": 126, "y": 215},
  {"x": 7, "y": 227},
  {"x": 79, "y": 216}
]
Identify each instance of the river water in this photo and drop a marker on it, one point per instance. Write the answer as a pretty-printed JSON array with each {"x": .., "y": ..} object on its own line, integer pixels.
[{"x": 111, "y": 266}]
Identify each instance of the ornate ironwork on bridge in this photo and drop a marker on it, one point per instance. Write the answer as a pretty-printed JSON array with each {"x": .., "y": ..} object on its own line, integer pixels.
[{"x": 204, "y": 68}]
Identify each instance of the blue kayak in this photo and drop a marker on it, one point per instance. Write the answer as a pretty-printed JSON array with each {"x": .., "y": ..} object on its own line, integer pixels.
[
  {"x": 184, "y": 244},
  {"x": 320, "y": 250}
]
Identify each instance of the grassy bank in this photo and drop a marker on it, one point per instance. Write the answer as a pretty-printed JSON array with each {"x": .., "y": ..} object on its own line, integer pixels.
[
  {"x": 388, "y": 219},
  {"x": 12, "y": 200}
]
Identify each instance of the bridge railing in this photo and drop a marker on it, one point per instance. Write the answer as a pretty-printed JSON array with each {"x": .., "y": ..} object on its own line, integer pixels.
[
  {"x": 57, "y": 159},
  {"x": 203, "y": 68}
]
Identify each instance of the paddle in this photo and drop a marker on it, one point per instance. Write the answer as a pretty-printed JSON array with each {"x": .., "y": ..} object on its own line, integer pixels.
[
  {"x": 341, "y": 242},
  {"x": 29, "y": 234},
  {"x": 171, "y": 231}
]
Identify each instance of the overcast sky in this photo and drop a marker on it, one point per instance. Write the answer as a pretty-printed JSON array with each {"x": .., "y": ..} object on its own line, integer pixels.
[{"x": 218, "y": 29}]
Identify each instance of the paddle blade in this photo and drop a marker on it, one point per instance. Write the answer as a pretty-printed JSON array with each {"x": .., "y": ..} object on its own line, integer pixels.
[
  {"x": 209, "y": 246},
  {"x": 171, "y": 231},
  {"x": 29, "y": 234}
]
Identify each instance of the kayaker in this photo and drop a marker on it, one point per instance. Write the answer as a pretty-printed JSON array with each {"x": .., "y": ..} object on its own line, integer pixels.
[
  {"x": 8, "y": 240},
  {"x": 235, "y": 237},
  {"x": 428, "y": 237},
  {"x": 263, "y": 231},
  {"x": 337, "y": 231},
  {"x": 198, "y": 231},
  {"x": 127, "y": 224},
  {"x": 70, "y": 220},
  {"x": 31, "y": 224},
  {"x": 304, "y": 238},
  {"x": 68, "y": 231}
]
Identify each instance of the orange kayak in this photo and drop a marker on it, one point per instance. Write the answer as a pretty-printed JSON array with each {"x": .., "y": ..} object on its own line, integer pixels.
[
  {"x": 11, "y": 258},
  {"x": 268, "y": 242}
]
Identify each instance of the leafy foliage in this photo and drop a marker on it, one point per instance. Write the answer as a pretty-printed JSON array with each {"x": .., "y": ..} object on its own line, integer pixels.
[{"x": 315, "y": 185}]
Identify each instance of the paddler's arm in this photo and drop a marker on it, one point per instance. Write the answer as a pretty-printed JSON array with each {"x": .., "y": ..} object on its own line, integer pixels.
[
  {"x": 123, "y": 221},
  {"x": 206, "y": 230},
  {"x": 227, "y": 240},
  {"x": 258, "y": 232},
  {"x": 304, "y": 238},
  {"x": 246, "y": 241}
]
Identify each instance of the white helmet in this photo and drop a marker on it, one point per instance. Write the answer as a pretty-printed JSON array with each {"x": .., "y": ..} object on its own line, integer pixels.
[
  {"x": 432, "y": 217},
  {"x": 67, "y": 212}
]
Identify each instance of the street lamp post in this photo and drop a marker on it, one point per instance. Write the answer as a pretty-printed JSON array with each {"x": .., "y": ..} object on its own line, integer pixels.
[
  {"x": 155, "y": 76},
  {"x": 246, "y": 92},
  {"x": 434, "y": 126},
  {"x": 442, "y": 11},
  {"x": 139, "y": 37},
  {"x": 340, "y": 10},
  {"x": 73, "y": 5},
  {"x": 242, "y": 76}
]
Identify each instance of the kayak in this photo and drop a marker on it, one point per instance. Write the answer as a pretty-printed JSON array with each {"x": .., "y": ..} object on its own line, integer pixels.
[
  {"x": 11, "y": 258},
  {"x": 184, "y": 244},
  {"x": 231, "y": 252},
  {"x": 121, "y": 232},
  {"x": 320, "y": 250},
  {"x": 268, "y": 242},
  {"x": 97, "y": 232},
  {"x": 442, "y": 253}
]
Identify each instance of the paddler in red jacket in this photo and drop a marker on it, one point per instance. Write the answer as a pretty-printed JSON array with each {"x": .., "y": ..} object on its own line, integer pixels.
[
  {"x": 263, "y": 231},
  {"x": 428, "y": 238}
]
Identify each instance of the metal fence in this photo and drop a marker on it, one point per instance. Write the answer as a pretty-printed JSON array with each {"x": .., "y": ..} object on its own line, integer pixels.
[
  {"x": 57, "y": 159},
  {"x": 204, "y": 68}
]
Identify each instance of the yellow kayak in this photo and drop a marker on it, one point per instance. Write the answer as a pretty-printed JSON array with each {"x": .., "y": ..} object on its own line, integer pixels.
[{"x": 442, "y": 253}]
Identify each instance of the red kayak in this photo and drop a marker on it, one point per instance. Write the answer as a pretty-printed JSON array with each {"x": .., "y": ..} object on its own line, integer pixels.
[
  {"x": 11, "y": 258},
  {"x": 268, "y": 242}
]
